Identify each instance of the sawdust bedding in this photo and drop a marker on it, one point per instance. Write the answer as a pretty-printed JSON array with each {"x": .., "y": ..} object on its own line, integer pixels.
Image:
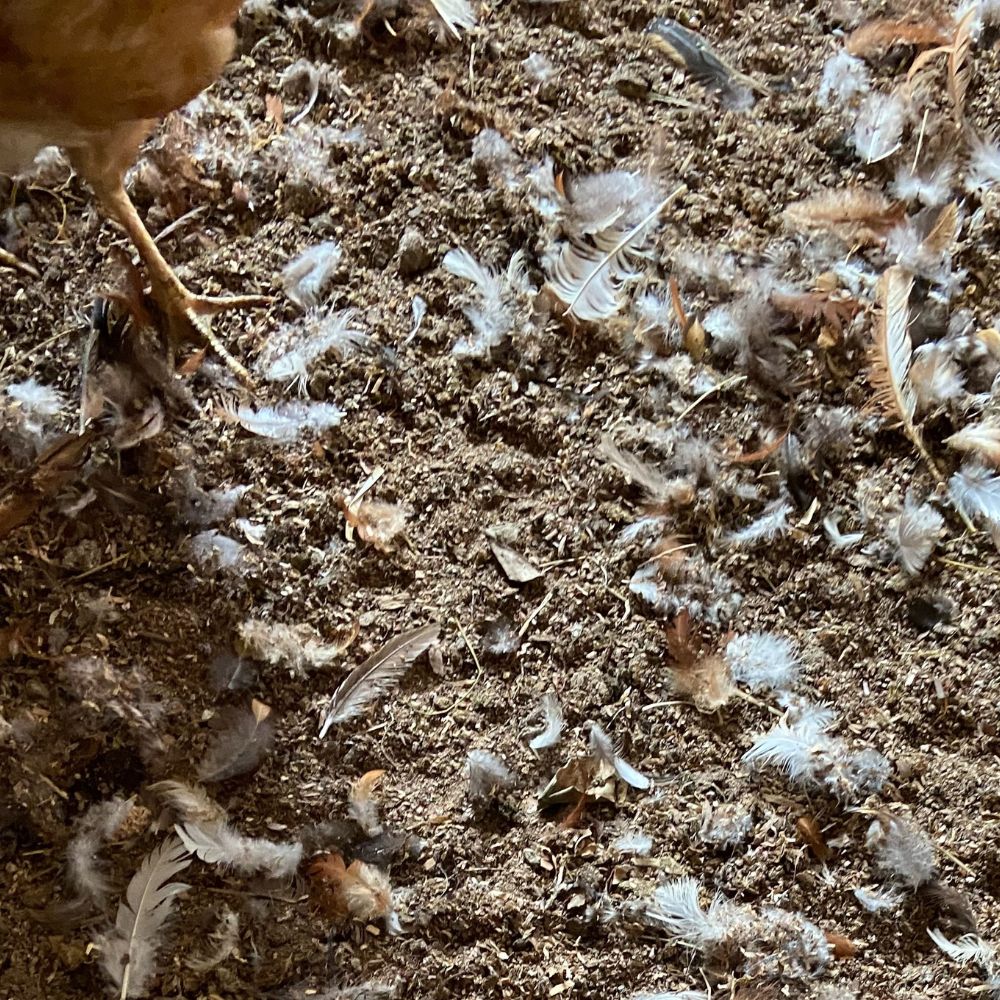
[{"x": 123, "y": 638}]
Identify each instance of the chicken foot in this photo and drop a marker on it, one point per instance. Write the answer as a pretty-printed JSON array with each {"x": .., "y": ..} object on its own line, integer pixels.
[{"x": 185, "y": 312}]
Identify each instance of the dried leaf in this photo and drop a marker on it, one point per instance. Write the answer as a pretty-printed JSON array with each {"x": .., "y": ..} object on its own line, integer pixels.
[
  {"x": 243, "y": 736},
  {"x": 378, "y": 674}
]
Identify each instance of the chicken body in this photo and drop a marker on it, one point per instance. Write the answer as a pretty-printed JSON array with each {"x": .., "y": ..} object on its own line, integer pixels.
[{"x": 94, "y": 76}]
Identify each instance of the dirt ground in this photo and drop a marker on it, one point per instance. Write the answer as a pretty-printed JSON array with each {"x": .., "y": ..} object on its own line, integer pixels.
[{"x": 496, "y": 898}]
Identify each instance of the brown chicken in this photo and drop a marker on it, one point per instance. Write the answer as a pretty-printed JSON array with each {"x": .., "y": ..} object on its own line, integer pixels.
[{"x": 94, "y": 76}]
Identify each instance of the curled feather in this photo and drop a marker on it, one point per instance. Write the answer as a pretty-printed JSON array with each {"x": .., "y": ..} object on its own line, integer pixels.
[{"x": 604, "y": 750}]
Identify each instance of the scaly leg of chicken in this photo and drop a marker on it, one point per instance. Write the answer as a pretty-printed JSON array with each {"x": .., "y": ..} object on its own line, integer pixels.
[{"x": 185, "y": 312}]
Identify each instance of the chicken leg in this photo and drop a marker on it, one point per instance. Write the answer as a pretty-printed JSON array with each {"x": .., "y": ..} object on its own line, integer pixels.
[{"x": 185, "y": 312}]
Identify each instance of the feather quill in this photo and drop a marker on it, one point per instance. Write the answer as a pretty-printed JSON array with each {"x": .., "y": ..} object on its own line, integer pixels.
[
  {"x": 378, "y": 674},
  {"x": 129, "y": 951}
]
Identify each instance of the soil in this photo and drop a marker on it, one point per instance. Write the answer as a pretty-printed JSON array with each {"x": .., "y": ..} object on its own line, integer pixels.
[{"x": 496, "y": 898}]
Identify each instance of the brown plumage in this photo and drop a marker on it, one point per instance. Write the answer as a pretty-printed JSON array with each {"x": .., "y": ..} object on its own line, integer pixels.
[{"x": 94, "y": 77}]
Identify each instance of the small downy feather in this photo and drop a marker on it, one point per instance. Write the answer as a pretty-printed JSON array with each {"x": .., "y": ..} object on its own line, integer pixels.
[
  {"x": 838, "y": 539},
  {"x": 299, "y": 647},
  {"x": 378, "y": 674},
  {"x": 975, "y": 491},
  {"x": 878, "y": 128},
  {"x": 188, "y": 803},
  {"x": 800, "y": 746},
  {"x": 243, "y": 735},
  {"x": 845, "y": 77},
  {"x": 878, "y": 900},
  {"x": 982, "y": 439},
  {"x": 296, "y": 346},
  {"x": 983, "y": 169},
  {"x": 914, "y": 532},
  {"x": 287, "y": 422},
  {"x": 220, "y": 844},
  {"x": 772, "y": 524},
  {"x": 84, "y": 867},
  {"x": 224, "y": 941},
  {"x": 487, "y": 774},
  {"x": 552, "y": 714},
  {"x": 635, "y": 842},
  {"x": 362, "y": 806},
  {"x": 128, "y": 952},
  {"x": 935, "y": 377},
  {"x": 902, "y": 849},
  {"x": 604, "y": 750},
  {"x": 306, "y": 277},
  {"x": 501, "y": 297},
  {"x": 762, "y": 661}
]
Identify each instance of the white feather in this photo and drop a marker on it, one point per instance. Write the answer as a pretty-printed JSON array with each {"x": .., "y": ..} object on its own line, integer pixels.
[
  {"x": 970, "y": 948},
  {"x": 287, "y": 421},
  {"x": 914, "y": 532},
  {"x": 838, "y": 539},
  {"x": 486, "y": 773},
  {"x": 220, "y": 844},
  {"x": 306, "y": 277},
  {"x": 762, "y": 661},
  {"x": 553, "y": 715},
  {"x": 878, "y": 128},
  {"x": 975, "y": 491},
  {"x": 128, "y": 952},
  {"x": 876, "y": 901},
  {"x": 604, "y": 750},
  {"x": 771, "y": 524}
]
